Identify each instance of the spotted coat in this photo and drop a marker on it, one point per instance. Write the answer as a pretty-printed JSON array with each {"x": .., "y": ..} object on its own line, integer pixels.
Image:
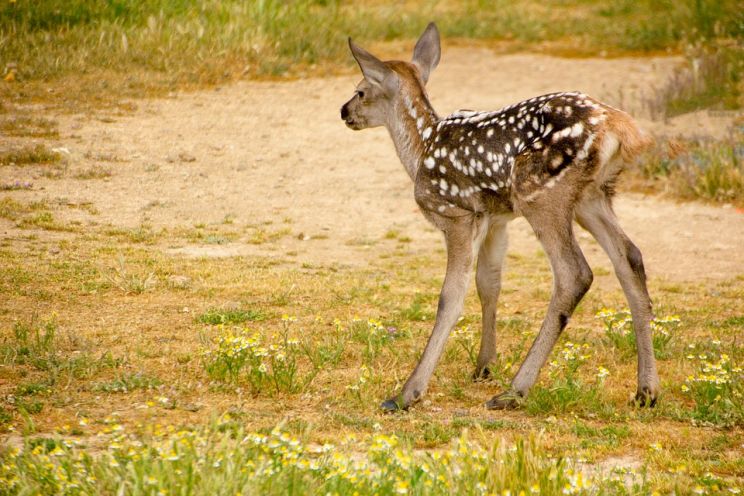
[{"x": 477, "y": 161}]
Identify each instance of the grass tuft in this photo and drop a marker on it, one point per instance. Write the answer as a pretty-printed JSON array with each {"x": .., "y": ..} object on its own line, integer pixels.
[
  {"x": 161, "y": 45},
  {"x": 29, "y": 155},
  {"x": 217, "y": 316},
  {"x": 697, "y": 169}
]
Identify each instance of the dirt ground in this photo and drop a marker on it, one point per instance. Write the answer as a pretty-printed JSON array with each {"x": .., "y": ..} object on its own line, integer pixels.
[{"x": 278, "y": 152}]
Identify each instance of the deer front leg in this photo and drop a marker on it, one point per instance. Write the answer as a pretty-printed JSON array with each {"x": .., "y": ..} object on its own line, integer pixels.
[
  {"x": 488, "y": 281},
  {"x": 572, "y": 278},
  {"x": 460, "y": 237}
]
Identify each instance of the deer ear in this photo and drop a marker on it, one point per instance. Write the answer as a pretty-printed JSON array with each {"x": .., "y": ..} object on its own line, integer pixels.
[
  {"x": 375, "y": 71},
  {"x": 427, "y": 51}
]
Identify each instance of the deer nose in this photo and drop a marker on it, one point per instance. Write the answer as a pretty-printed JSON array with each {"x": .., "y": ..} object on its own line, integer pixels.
[{"x": 344, "y": 112}]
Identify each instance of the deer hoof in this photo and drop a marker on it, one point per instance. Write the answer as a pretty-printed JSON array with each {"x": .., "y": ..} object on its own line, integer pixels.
[
  {"x": 393, "y": 405},
  {"x": 482, "y": 374},
  {"x": 644, "y": 398},
  {"x": 504, "y": 401}
]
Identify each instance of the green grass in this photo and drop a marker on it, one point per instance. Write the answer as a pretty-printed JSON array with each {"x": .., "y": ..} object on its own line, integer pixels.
[
  {"x": 697, "y": 169},
  {"x": 136, "y": 47},
  {"x": 30, "y": 127},
  {"x": 136, "y": 416},
  {"x": 29, "y": 155},
  {"x": 232, "y": 461},
  {"x": 125, "y": 383},
  {"x": 217, "y": 316},
  {"x": 711, "y": 78}
]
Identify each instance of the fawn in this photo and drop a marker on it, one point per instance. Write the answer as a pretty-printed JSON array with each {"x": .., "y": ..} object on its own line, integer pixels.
[{"x": 552, "y": 159}]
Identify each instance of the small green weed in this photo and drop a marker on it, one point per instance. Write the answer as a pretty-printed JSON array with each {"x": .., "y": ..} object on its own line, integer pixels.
[
  {"x": 418, "y": 310},
  {"x": 29, "y": 155},
  {"x": 217, "y": 316},
  {"x": 32, "y": 388},
  {"x": 31, "y": 127},
  {"x": 618, "y": 327},
  {"x": 716, "y": 387},
  {"x": 128, "y": 382},
  {"x": 711, "y": 79},
  {"x": 358, "y": 388},
  {"x": 609, "y": 435},
  {"x": 373, "y": 334},
  {"x": 95, "y": 172},
  {"x": 239, "y": 355},
  {"x": 130, "y": 282},
  {"x": 566, "y": 391},
  {"x": 233, "y": 461},
  {"x": 707, "y": 169},
  {"x": 32, "y": 343}
]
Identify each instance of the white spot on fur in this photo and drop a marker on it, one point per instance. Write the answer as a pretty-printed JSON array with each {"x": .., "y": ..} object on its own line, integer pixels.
[
  {"x": 577, "y": 129},
  {"x": 429, "y": 162},
  {"x": 426, "y": 133}
]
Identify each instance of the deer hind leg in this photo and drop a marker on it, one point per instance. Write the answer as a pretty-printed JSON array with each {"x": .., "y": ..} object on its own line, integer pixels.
[
  {"x": 595, "y": 214},
  {"x": 488, "y": 282},
  {"x": 551, "y": 218}
]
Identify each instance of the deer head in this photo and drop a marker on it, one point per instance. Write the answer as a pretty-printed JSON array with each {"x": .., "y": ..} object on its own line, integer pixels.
[{"x": 385, "y": 84}]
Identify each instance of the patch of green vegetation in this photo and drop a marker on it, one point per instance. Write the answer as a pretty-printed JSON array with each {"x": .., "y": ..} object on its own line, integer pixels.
[
  {"x": 32, "y": 343},
  {"x": 217, "y": 316},
  {"x": 419, "y": 309},
  {"x": 609, "y": 435},
  {"x": 242, "y": 356},
  {"x": 487, "y": 424},
  {"x": 5, "y": 417},
  {"x": 162, "y": 44},
  {"x": 30, "y": 406},
  {"x": 32, "y": 388},
  {"x": 382, "y": 464},
  {"x": 711, "y": 78},
  {"x": 128, "y": 382},
  {"x": 130, "y": 282},
  {"x": 566, "y": 390},
  {"x": 43, "y": 220},
  {"x": 95, "y": 172},
  {"x": 706, "y": 169},
  {"x": 29, "y": 155},
  {"x": 25, "y": 126},
  {"x": 717, "y": 384}
]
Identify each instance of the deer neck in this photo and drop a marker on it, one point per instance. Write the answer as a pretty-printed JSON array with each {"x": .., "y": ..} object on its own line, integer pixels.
[{"x": 412, "y": 122}]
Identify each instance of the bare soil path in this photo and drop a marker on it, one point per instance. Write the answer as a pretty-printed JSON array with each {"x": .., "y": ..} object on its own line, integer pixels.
[{"x": 278, "y": 151}]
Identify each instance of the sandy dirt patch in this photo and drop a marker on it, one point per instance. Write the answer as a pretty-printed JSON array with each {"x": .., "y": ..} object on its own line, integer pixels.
[{"x": 278, "y": 152}]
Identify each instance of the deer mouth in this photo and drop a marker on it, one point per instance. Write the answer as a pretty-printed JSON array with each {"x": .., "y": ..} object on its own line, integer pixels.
[{"x": 352, "y": 124}]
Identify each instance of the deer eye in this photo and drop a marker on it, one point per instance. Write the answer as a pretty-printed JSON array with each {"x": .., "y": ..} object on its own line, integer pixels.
[{"x": 360, "y": 93}]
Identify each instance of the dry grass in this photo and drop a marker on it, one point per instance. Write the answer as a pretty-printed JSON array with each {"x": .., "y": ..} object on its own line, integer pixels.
[
  {"x": 101, "y": 329},
  {"x": 704, "y": 169},
  {"x": 110, "y": 293}
]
